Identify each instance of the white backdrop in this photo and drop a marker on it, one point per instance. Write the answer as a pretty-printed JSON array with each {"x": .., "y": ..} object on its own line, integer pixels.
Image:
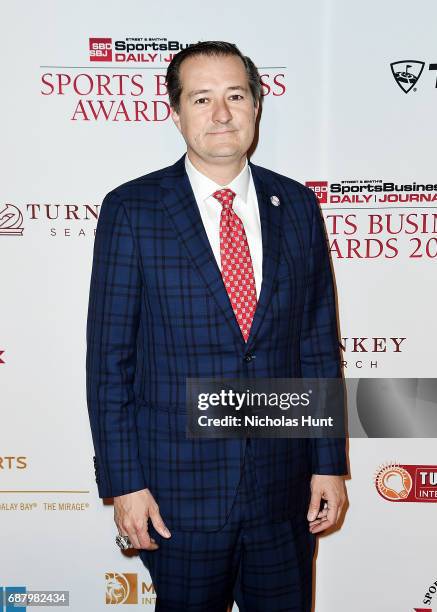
[{"x": 333, "y": 113}]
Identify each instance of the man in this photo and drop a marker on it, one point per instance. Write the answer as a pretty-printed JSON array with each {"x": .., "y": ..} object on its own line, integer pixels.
[{"x": 213, "y": 519}]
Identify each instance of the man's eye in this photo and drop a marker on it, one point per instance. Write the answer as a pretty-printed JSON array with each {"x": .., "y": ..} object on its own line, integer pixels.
[
  {"x": 200, "y": 101},
  {"x": 237, "y": 96}
]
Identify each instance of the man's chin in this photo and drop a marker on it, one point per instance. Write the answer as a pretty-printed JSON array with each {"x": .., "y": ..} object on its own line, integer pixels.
[
  {"x": 223, "y": 154},
  {"x": 226, "y": 153}
]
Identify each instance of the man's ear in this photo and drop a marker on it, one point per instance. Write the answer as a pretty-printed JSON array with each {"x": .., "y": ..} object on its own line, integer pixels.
[{"x": 176, "y": 119}]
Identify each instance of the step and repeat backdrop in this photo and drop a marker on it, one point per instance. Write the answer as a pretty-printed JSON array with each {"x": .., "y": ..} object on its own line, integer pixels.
[{"x": 349, "y": 108}]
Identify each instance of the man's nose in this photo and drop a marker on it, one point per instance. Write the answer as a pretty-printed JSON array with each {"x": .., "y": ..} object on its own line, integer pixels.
[{"x": 221, "y": 112}]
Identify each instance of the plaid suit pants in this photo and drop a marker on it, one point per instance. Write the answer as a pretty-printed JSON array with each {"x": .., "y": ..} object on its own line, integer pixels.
[{"x": 260, "y": 564}]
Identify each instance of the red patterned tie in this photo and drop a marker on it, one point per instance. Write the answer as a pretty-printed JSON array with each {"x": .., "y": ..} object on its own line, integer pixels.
[{"x": 237, "y": 269}]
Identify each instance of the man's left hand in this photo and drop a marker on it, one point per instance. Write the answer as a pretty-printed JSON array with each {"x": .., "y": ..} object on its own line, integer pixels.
[{"x": 331, "y": 489}]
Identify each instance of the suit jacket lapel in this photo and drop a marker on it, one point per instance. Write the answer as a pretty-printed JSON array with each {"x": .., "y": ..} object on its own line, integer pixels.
[
  {"x": 184, "y": 215},
  {"x": 270, "y": 217}
]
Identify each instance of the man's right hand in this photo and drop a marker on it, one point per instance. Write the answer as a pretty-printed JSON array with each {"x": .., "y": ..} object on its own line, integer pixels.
[{"x": 131, "y": 512}]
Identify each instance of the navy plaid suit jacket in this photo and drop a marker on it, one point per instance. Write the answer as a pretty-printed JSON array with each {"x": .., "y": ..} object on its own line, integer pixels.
[{"x": 159, "y": 313}]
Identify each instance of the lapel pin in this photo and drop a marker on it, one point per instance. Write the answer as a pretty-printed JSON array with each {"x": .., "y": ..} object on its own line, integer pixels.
[{"x": 275, "y": 200}]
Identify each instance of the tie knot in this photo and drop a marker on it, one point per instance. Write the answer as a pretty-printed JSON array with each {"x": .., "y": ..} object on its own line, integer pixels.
[{"x": 225, "y": 197}]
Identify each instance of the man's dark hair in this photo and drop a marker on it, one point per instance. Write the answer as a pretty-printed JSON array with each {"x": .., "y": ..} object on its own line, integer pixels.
[{"x": 211, "y": 48}]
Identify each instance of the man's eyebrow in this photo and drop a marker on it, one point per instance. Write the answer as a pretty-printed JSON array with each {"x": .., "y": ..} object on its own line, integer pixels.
[
  {"x": 238, "y": 87},
  {"x": 196, "y": 92}
]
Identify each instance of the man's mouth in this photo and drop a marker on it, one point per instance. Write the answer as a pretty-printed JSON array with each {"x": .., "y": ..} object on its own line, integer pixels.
[{"x": 222, "y": 132}]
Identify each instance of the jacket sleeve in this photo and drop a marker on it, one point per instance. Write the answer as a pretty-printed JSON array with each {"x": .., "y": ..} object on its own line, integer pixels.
[
  {"x": 319, "y": 342},
  {"x": 112, "y": 327}
]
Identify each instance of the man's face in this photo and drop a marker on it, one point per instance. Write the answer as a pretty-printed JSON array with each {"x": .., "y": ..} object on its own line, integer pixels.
[{"x": 217, "y": 114}]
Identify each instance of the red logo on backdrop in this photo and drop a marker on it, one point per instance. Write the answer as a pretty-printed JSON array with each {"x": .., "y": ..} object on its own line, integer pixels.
[
  {"x": 320, "y": 188},
  {"x": 100, "y": 49},
  {"x": 407, "y": 483}
]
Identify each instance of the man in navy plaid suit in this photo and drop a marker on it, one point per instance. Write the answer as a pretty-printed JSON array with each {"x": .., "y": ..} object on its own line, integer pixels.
[{"x": 213, "y": 519}]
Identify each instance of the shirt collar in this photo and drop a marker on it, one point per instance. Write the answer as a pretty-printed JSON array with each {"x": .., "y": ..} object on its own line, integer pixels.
[{"x": 205, "y": 187}]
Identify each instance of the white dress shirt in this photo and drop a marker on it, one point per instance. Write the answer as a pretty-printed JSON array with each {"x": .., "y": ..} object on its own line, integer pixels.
[{"x": 245, "y": 206}]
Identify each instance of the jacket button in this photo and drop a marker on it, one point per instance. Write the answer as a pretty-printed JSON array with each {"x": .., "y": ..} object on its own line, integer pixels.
[{"x": 248, "y": 357}]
